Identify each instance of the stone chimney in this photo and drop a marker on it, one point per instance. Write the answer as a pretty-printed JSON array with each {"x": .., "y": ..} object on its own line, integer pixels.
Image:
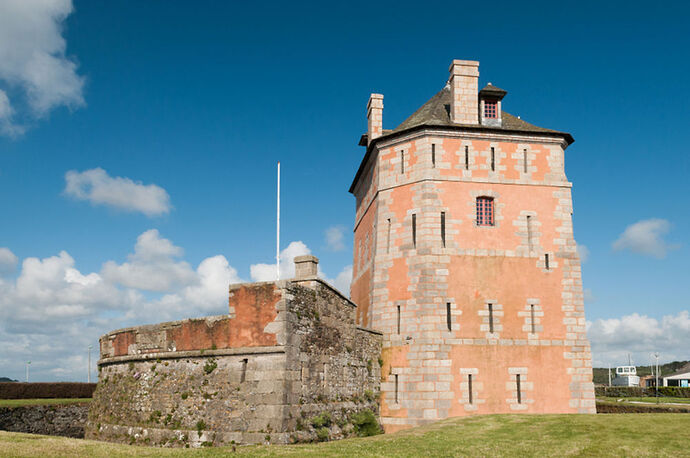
[
  {"x": 306, "y": 267},
  {"x": 464, "y": 91},
  {"x": 374, "y": 117}
]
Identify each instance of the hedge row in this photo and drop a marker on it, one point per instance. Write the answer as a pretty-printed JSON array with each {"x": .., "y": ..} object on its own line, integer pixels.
[
  {"x": 610, "y": 407},
  {"x": 638, "y": 392},
  {"x": 17, "y": 390}
]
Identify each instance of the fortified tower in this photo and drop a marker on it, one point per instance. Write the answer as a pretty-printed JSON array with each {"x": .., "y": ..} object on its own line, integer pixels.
[{"x": 465, "y": 259}]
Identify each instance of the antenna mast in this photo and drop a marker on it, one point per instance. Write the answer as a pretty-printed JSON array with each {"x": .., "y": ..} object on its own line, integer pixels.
[{"x": 278, "y": 229}]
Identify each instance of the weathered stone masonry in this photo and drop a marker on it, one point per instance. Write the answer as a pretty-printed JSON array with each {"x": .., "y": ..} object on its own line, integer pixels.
[
  {"x": 287, "y": 352},
  {"x": 457, "y": 301}
]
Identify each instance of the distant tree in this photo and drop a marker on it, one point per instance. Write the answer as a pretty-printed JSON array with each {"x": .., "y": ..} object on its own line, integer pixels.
[{"x": 5, "y": 379}]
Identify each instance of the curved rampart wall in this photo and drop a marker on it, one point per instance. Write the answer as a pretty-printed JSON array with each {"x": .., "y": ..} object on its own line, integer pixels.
[{"x": 287, "y": 352}]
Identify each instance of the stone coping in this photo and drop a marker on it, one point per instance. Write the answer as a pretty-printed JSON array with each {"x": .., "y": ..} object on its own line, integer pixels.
[
  {"x": 166, "y": 324},
  {"x": 371, "y": 331},
  {"x": 192, "y": 354}
]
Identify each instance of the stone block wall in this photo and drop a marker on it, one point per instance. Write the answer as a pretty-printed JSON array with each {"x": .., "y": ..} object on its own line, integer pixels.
[
  {"x": 428, "y": 273},
  {"x": 52, "y": 420},
  {"x": 289, "y": 352}
]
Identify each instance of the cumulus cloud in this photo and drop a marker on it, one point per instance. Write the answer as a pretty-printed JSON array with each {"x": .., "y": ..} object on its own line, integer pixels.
[
  {"x": 99, "y": 188},
  {"x": 646, "y": 237},
  {"x": 34, "y": 67},
  {"x": 52, "y": 311},
  {"x": 583, "y": 251},
  {"x": 614, "y": 338},
  {"x": 152, "y": 266},
  {"x": 8, "y": 261},
  {"x": 342, "y": 281},
  {"x": 267, "y": 272},
  {"x": 53, "y": 290},
  {"x": 335, "y": 238}
]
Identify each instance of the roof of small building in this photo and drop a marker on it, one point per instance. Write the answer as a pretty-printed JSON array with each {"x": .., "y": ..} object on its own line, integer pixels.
[
  {"x": 436, "y": 113},
  {"x": 682, "y": 371}
]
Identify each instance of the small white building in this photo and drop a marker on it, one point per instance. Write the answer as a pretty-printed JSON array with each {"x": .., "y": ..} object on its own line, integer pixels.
[
  {"x": 680, "y": 378},
  {"x": 626, "y": 376}
]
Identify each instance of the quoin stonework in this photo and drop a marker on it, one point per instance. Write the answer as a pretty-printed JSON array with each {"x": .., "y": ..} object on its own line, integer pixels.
[
  {"x": 466, "y": 298},
  {"x": 464, "y": 257}
]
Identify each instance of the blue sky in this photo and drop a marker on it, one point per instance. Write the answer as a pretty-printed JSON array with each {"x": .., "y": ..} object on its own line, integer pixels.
[{"x": 191, "y": 104}]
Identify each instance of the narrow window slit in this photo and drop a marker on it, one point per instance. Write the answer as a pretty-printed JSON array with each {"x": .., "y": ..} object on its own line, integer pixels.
[
  {"x": 491, "y": 318},
  {"x": 396, "y": 389},
  {"x": 531, "y": 312},
  {"x": 443, "y": 228},
  {"x": 388, "y": 238},
  {"x": 546, "y": 261},
  {"x": 524, "y": 160},
  {"x": 414, "y": 230},
  {"x": 398, "y": 319},
  {"x": 469, "y": 387},
  {"x": 433, "y": 155},
  {"x": 244, "y": 370},
  {"x": 519, "y": 391},
  {"x": 448, "y": 320},
  {"x": 467, "y": 157},
  {"x": 529, "y": 234},
  {"x": 493, "y": 159},
  {"x": 402, "y": 161}
]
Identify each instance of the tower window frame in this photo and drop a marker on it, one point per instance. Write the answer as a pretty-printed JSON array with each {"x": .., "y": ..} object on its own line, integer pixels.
[
  {"x": 486, "y": 211},
  {"x": 491, "y": 109}
]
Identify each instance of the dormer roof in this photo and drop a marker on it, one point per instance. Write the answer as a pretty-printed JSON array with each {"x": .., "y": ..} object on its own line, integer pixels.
[{"x": 492, "y": 92}]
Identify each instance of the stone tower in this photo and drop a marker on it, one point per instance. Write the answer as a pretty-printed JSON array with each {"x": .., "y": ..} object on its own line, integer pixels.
[{"x": 465, "y": 259}]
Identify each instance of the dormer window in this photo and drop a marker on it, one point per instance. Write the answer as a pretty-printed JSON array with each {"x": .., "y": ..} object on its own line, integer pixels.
[
  {"x": 490, "y": 105},
  {"x": 491, "y": 109}
]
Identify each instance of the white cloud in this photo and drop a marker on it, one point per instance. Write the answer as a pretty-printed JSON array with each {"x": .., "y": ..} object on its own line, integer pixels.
[
  {"x": 645, "y": 237},
  {"x": 52, "y": 290},
  {"x": 52, "y": 311},
  {"x": 613, "y": 339},
  {"x": 342, "y": 281},
  {"x": 267, "y": 272},
  {"x": 33, "y": 62},
  {"x": 7, "y": 125},
  {"x": 8, "y": 261},
  {"x": 583, "y": 251},
  {"x": 589, "y": 296},
  {"x": 98, "y": 187},
  {"x": 152, "y": 266},
  {"x": 335, "y": 236}
]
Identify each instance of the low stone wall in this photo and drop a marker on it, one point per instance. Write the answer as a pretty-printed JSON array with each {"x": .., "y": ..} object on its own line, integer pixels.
[
  {"x": 52, "y": 420},
  {"x": 288, "y": 364}
]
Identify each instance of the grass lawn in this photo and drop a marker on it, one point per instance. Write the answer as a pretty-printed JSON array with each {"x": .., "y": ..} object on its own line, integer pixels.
[
  {"x": 40, "y": 402},
  {"x": 490, "y": 435},
  {"x": 662, "y": 399}
]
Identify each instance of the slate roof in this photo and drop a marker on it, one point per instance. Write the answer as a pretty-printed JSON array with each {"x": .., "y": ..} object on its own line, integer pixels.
[{"x": 436, "y": 113}]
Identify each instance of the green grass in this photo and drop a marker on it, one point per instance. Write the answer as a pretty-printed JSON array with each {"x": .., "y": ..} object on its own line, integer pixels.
[
  {"x": 490, "y": 435},
  {"x": 40, "y": 402},
  {"x": 662, "y": 399}
]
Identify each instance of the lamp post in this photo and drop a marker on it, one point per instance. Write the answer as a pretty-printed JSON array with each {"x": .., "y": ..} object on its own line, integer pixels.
[
  {"x": 89, "y": 374},
  {"x": 656, "y": 382}
]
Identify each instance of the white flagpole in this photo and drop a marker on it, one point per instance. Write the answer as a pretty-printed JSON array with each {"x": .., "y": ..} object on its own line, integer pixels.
[{"x": 278, "y": 229}]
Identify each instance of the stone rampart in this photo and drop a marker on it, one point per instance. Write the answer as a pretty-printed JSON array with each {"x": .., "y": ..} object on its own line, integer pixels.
[{"x": 287, "y": 364}]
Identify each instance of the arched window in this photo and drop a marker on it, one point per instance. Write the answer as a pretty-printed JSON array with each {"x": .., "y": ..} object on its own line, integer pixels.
[{"x": 485, "y": 211}]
